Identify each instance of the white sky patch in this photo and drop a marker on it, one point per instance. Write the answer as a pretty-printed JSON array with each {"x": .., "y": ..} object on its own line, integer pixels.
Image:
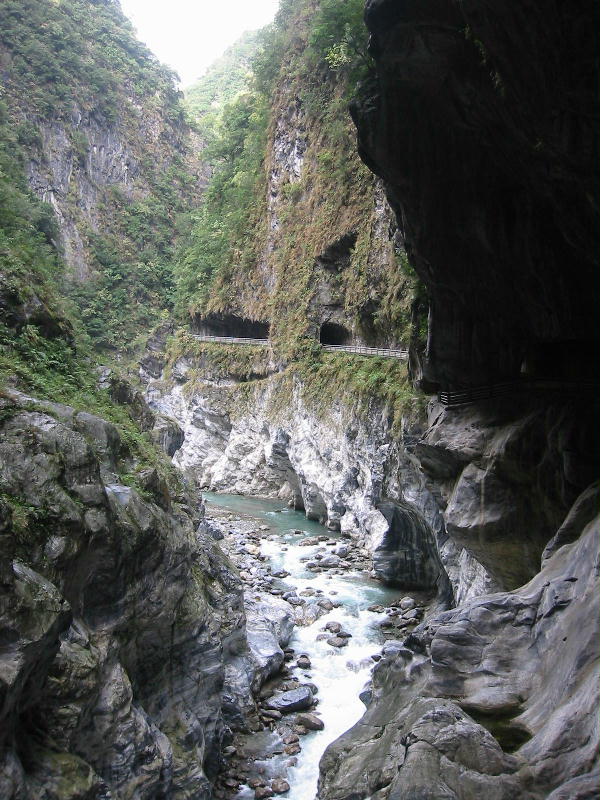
[{"x": 188, "y": 35}]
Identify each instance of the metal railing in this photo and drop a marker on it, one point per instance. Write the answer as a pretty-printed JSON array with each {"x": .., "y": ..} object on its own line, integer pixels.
[
  {"x": 461, "y": 396},
  {"x": 475, "y": 393},
  {"x": 231, "y": 340},
  {"x": 362, "y": 350},
  {"x": 384, "y": 352}
]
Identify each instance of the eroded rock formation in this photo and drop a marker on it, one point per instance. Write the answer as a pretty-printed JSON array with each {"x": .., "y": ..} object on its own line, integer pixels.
[
  {"x": 482, "y": 121},
  {"x": 120, "y": 622},
  {"x": 496, "y": 698}
]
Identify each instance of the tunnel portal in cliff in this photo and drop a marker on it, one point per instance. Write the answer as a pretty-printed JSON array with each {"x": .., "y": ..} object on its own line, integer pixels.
[
  {"x": 231, "y": 325},
  {"x": 333, "y": 333}
]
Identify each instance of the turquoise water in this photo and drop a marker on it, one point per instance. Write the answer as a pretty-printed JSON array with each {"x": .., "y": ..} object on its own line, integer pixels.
[
  {"x": 339, "y": 674},
  {"x": 273, "y": 512}
]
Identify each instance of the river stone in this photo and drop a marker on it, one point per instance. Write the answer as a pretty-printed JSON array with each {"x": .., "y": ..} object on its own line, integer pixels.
[
  {"x": 271, "y": 713},
  {"x": 334, "y": 627},
  {"x": 337, "y": 641},
  {"x": 412, "y": 614},
  {"x": 310, "y": 721},
  {"x": 342, "y": 550},
  {"x": 294, "y": 700},
  {"x": 280, "y": 786},
  {"x": 330, "y": 561},
  {"x": 304, "y": 662},
  {"x": 263, "y": 791},
  {"x": 269, "y": 623},
  {"x": 325, "y": 604},
  {"x": 407, "y": 603}
]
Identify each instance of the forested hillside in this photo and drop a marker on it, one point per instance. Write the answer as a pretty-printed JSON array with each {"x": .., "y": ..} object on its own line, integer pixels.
[
  {"x": 270, "y": 230},
  {"x": 298, "y": 420},
  {"x": 222, "y": 82},
  {"x": 103, "y": 141}
]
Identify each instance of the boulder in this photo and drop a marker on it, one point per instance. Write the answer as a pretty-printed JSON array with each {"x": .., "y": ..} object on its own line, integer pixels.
[
  {"x": 310, "y": 721},
  {"x": 269, "y": 626},
  {"x": 294, "y": 700}
]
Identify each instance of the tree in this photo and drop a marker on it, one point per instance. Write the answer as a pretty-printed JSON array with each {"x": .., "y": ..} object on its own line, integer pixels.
[{"x": 340, "y": 37}]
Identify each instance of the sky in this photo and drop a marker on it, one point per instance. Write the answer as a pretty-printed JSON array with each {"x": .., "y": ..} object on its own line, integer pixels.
[{"x": 188, "y": 35}]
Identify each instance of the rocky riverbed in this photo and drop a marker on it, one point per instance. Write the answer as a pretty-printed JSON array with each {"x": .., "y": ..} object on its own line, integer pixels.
[{"x": 317, "y": 623}]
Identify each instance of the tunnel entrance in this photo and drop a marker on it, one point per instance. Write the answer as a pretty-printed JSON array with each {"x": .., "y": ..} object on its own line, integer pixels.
[
  {"x": 231, "y": 325},
  {"x": 332, "y": 333}
]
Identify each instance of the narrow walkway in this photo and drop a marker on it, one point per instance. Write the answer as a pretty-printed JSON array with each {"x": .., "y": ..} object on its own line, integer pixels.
[
  {"x": 231, "y": 340},
  {"x": 361, "y": 350},
  {"x": 476, "y": 393}
]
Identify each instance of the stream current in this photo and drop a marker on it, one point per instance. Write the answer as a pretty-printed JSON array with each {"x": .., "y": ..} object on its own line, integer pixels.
[{"x": 339, "y": 673}]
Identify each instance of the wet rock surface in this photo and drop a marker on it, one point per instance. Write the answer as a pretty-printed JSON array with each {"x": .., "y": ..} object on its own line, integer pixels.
[
  {"x": 118, "y": 620},
  {"x": 262, "y": 760},
  {"x": 495, "y": 697}
]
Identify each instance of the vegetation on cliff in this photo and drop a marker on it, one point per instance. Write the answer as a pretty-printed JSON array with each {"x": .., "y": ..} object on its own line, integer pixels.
[
  {"x": 223, "y": 81},
  {"x": 104, "y": 137},
  {"x": 287, "y": 184},
  {"x": 44, "y": 349}
]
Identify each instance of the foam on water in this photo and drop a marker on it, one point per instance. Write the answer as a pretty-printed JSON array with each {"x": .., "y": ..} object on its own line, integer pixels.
[{"x": 340, "y": 674}]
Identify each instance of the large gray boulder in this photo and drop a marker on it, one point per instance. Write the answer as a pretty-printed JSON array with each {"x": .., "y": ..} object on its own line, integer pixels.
[
  {"x": 269, "y": 626},
  {"x": 295, "y": 700},
  {"x": 494, "y": 699},
  {"x": 117, "y": 620}
]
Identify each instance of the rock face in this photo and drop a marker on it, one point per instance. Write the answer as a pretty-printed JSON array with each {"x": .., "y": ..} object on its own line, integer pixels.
[
  {"x": 493, "y": 698},
  {"x": 476, "y": 492},
  {"x": 336, "y": 468},
  {"x": 116, "y": 152},
  {"x": 118, "y": 621},
  {"x": 407, "y": 554},
  {"x": 481, "y": 121},
  {"x": 496, "y": 698}
]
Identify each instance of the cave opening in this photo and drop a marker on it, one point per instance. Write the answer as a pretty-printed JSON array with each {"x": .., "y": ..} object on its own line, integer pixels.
[
  {"x": 231, "y": 325},
  {"x": 333, "y": 333},
  {"x": 338, "y": 255}
]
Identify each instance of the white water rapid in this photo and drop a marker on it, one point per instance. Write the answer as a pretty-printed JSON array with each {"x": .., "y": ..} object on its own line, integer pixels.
[{"x": 339, "y": 673}]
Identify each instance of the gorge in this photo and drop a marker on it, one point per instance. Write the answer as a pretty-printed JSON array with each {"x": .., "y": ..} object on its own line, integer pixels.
[{"x": 212, "y": 550}]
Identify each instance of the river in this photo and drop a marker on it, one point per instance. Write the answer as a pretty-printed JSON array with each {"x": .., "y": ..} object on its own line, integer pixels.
[{"x": 339, "y": 674}]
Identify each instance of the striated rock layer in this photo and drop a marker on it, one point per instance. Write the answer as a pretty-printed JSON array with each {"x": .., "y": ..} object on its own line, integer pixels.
[
  {"x": 122, "y": 632},
  {"x": 496, "y": 698}
]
